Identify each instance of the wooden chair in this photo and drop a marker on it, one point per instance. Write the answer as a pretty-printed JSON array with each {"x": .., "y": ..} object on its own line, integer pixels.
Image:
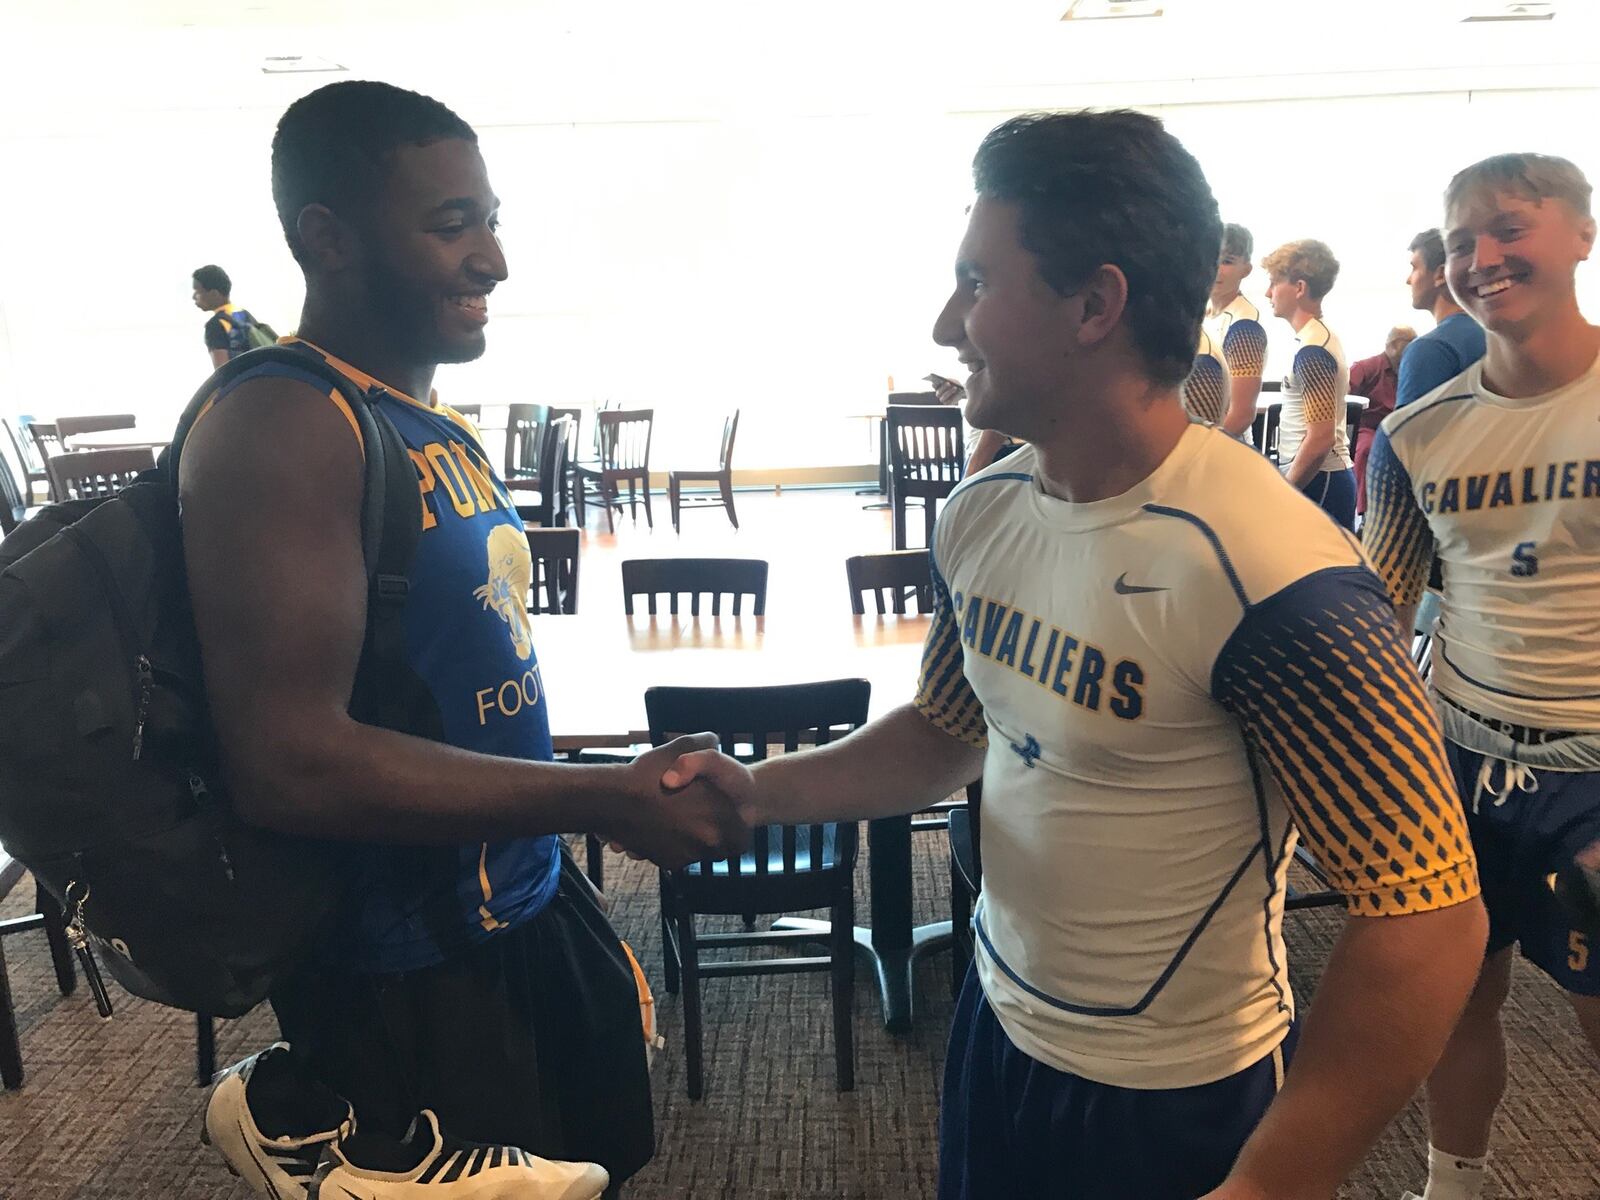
[
  {"x": 926, "y": 457},
  {"x": 46, "y": 444},
  {"x": 555, "y": 570},
  {"x": 966, "y": 881},
  {"x": 71, "y": 427},
  {"x": 624, "y": 458},
  {"x": 46, "y": 916},
  {"x": 13, "y": 504},
  {"x": 1354, "y": 406},
  {"x": 722, "y": 476},
  {"x": 785, "y": 869},
  {"x": 649, "y": 577},
  {"x": 88, "y": 473},
  {"x": 1264, "y": 429},
  {"x": 525, "y": 426},
  {"x": 548, "y": 507},
  {"x": 574, "y": 451},
  {"x": 903, "y": 575},
  {"x": 27, "y": 461}
]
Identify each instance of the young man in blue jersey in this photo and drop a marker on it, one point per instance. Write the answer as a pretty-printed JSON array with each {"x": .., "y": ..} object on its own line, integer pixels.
[
  {"x": 1453, "y": 344},
  {"x": 1158, "y": 687},
  {"x": 1497, "y": 471},
  {"x": 1313, "y": 442},
  {"x": 469, "y": 990}
]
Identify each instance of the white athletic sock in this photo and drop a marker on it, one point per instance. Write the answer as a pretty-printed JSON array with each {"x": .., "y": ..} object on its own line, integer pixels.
[{"x": 1451, "y": 1177}]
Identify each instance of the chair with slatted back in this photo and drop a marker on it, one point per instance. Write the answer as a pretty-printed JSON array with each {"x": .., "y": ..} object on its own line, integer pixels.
[
  {"x": 71, "y": 427},
  {"x": 650, "y": 577},
  {"x": 541, "y": 502},
  {"x": 555, "y": 570},
  {"x": 33, "y": 475},
  {"x": 525, "y": 426},
  {"x": 89, "y": 473},
  {"x": 13, "y": 504},
  {"x": 574, "y": 451},
  {"x": 624, "y": 449},
  {"x": 721, "y": 475},
  {"x": 47, "y": 444},
  {"x": 46, "y": 916},
  {"x": 784, "y": 869},
  {"x": 901, "y": 575},
  {"x": 472, "y": 412},
  {"x": 926, "y": 458}
]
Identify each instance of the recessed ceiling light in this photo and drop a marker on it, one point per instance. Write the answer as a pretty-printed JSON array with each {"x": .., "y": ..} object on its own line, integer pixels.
[
  {"x": 293, "y": 64},
  {"x": 1107, "y": 10},
  {"x": 1511, "y": 10}
]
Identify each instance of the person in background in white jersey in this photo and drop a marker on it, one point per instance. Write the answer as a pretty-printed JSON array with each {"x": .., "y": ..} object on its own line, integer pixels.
[
  {"x": 1313, "y": 445},
  {"x": 1136, "y": 663},
  {"x": 1233, "y": 323},
  {"x": 1498, "y": 471}
]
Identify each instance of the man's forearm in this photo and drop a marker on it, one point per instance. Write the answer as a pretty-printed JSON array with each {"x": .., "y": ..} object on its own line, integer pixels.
[
  {"x": 1241, "y": 404},
  {"x": 1309, "y": 457},
  {"x": 1387, "y": 1004},
  {"x": 899, "y": 763}
]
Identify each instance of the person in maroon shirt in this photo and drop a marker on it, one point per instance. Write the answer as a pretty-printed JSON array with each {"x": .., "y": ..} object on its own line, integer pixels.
[{"x": 1376, "y": 378}]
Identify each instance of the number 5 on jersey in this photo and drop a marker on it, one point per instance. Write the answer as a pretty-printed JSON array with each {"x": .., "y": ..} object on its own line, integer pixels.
[{"x": 1523, "y": 560}]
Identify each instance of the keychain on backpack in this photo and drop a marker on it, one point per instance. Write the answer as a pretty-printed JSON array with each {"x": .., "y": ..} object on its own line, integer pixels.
[{"x": 78, "y": 939}]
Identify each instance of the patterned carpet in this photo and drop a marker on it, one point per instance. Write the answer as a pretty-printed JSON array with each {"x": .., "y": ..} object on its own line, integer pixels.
[{"x": 110, "y": 1110}]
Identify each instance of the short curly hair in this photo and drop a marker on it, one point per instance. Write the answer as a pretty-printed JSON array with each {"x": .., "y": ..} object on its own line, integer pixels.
[{"x": 1307, "y": 260}]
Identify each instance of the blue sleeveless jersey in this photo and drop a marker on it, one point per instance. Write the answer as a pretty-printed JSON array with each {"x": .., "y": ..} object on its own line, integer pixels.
[{"x": 468, "y": 638}]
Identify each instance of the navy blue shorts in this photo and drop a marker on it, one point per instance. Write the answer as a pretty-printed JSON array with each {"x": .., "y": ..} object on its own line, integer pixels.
[
  {"x": 1335, "y": 493},
  {"x": 1520, "y": 844},
  {"x": 1012, "y": 1127}
]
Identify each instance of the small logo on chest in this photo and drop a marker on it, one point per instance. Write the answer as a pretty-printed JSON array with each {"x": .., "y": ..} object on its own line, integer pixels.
[{"x": 1028, "y": 752}]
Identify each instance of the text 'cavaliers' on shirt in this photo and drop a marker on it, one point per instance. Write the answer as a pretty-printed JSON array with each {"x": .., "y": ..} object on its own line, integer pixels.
[{"x": 1169, "y": 684}]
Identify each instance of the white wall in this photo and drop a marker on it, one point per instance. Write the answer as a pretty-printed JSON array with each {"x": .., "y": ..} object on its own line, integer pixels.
[{"x": 781, "y": 263}]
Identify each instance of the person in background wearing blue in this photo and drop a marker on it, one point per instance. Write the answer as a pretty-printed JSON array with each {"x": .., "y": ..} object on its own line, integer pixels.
[{"x": 1456, "y": 340}]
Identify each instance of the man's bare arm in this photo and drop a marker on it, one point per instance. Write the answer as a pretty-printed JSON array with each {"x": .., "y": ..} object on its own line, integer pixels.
[
  {"x": 899, "y": 763},
  {"x": 272, "y": 484},
  {"x": 1386, "y": 1005}
]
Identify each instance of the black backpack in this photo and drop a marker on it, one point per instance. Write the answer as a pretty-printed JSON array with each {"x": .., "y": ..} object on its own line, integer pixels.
[{"x": 109, "y": 784}]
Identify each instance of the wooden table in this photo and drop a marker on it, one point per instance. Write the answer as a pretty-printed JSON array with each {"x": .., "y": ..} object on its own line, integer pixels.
[
  {"x": 118, "y": 439},
  {"x": 597, "y": 666}
]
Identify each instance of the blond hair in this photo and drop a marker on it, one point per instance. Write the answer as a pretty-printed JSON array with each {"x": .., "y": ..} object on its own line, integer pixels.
[
  {"x": 1535, "y": 177},
  {"x": 1307, "y": 260}
]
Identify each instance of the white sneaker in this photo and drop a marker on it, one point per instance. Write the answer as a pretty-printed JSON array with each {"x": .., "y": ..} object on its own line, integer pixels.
[
  {"x": 456, "y": 1170},
  {"x": 279, "y": 1168}
]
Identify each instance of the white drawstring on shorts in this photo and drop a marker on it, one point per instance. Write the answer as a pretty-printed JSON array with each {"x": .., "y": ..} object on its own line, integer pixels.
[{"x": 1516, "y": 775}]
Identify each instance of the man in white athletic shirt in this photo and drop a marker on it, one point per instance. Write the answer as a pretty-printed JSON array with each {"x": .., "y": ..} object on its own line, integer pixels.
[
  {"x": 1160, "y": 690},
  {"x": 1233, "y": 323},
  {"x": 1498, "y": 472},
  {"x": 1313, "y": 444}
]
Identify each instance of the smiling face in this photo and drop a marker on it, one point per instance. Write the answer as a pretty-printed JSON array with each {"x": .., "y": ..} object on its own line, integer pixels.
[
  {"x": 1510, "y": 261},
  {"x": 1006, "y": 324},
  {"x": 433, "y": 253}
]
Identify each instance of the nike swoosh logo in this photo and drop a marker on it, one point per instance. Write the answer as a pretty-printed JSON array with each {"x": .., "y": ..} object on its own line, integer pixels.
[{"x": 1123, "y": 588}]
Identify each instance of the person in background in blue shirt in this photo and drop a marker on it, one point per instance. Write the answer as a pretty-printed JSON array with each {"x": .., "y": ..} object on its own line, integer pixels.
[{"x": 1455, "y": 342}]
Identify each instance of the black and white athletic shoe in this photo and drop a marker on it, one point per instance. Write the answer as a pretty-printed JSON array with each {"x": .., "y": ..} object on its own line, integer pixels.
[
  {"x": 431, "y": 1165},
  {"x": 277, "y": 1167}
]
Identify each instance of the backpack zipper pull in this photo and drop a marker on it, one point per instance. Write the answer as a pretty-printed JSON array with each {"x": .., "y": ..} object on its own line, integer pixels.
[
  {"x": 146, "y": 685},
  {"x": 78, "y": 939}
]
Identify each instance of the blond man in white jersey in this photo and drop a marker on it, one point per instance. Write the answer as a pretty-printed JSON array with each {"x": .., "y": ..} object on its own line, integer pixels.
[
  {"x": 1159, "y": 690},
  {"x": 1313, "y": 444},
  {"x": 1498, "y": 472}
]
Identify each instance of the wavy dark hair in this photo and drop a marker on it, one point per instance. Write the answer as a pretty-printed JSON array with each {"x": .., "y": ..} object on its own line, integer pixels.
[{"x": 1113, "y": 187}]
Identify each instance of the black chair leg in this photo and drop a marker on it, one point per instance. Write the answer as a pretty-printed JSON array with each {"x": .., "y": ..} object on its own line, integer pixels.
[
  {"x": 727, "y": 501},
  {"x": 594, "y": 862},
  {"x": 928, "y": 521},
  {"x": 608, "y": 497},
  {"x": 55, "y": 932},
  {"x": 842, "y": 975},
  {"x": 693, "y": 1033},
  {"x": 670, "y": 951},
  {"x": 649, "y": 517},
  {"x": 960, "y": 927},
  {"x": 10, "y": 1047},
  {"x": 674, "y": 500},
  {"x": 205, "y": 1050}
]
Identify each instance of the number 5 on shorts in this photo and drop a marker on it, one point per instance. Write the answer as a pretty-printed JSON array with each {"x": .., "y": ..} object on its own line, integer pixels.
[{"x": 1578, "y": 960}]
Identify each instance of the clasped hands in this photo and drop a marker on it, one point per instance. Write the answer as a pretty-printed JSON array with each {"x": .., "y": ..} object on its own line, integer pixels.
[{"x": 685, "y": 801}]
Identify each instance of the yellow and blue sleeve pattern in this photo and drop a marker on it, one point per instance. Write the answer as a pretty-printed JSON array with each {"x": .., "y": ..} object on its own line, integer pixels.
[
  {"x": 1245, "y": 348},
  {"x": 1329, "y": 700},
  {"x": 944, "y": 696},
  {"x": 1205, "y": 391},
  {"x": 1318, "y": 372},
  {"x": 1397, "y": 535}
]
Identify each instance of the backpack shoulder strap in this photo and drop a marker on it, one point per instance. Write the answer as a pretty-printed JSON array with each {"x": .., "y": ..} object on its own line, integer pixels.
[{"x": 391, "y": 513}]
